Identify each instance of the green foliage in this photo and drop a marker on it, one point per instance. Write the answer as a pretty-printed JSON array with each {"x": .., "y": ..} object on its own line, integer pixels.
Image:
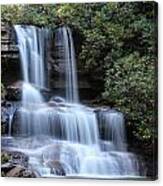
[
  {"x": 130, "y": 85},
  {"x": 119, "y": 46},
  {"x": 5, "y": 158},
  {"x": 11, "y": 14},
  {"x": 130, "y": 81}
]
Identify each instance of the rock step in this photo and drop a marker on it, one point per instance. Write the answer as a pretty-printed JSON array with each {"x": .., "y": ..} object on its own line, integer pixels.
[
  {"x": 6, "y": 42},
  {"x": 9, "y": 48},
  {"x": 9, "y": 56}
]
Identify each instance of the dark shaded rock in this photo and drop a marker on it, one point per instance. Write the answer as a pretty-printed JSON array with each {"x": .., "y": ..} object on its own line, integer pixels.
[
  {"x": 15, "y": 157},
  {"x": 6, "y": 167},
  {"x": 9, "y": 49},
  {"x": 7, "y": 141},
  {"x": 14, "y": 91},
  {"x": 57, "y": 99},
  {"x": 19, "y": 158},
  {"x": 52, "y": 104},
  {"x": 15, "y": 164},
  {"x": 9, "y": 55},
  {"x": 56, "y": 167},
  {"x": 4, "y": 120}
]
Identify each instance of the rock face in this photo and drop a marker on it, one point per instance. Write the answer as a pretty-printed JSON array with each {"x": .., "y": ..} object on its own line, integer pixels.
[
  {"x": 58, "y": 68},
  {"x": 9, "y": 55},
  {"x": 15, "y": 164},
  {"x": 12, "y": 68},
  {"x": 4, "y": 120},
  {"x": 8, "y": 45},
  {"x": 14, "y": 91}
]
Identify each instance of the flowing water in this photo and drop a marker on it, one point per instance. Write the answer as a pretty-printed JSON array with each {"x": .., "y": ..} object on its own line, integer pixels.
[
  {"x": 64, "y": 40},
  {"x": 65, "y": 139}
]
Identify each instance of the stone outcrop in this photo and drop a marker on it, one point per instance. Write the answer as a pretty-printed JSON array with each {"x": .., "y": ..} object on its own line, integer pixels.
[
  {"x": 9, "y": 55},
  {"x": 15, "y": 164},
  {"x": 9, "y": 49}
]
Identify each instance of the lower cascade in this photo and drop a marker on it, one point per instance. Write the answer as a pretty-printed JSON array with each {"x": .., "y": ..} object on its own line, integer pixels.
[{"x": 63, "y": 137}]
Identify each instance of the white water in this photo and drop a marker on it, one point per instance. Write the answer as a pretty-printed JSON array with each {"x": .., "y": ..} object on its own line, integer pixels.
[
  {"x": 114, "y": 130},
  {"x": 67, "y": 135},
  {"x": 67, "y": 54},
  {"x": 31, "y": 43}
]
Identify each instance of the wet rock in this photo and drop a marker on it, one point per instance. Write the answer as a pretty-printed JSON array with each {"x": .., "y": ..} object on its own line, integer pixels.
[
  {"x": 7, "y": 141},
  {"x": 56, "y": 167},
  {"x": 15, "y": 164},
  {"x": 15, "y": 158},
  {"x": 15, "y": 172},
  {"x": 101, "y": 109},
  {"x": 20, "y": 171},
  {"x": 19, "y": 158},
  {"x": 8, "y": 109},
  {"x": 52, "y": 104},
  {"x": 57, "y": 99},
  {"x": 6, "y": 167},
  {"x": 14, "y": 91},
  {"x": 9, "y": 49},
  {"x": 4, "y": 120}
]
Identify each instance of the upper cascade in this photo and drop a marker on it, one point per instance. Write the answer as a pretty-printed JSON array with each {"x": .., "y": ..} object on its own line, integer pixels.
[
  {"x": 66, "y": 53},
  {"x": 32, "y": 44}
]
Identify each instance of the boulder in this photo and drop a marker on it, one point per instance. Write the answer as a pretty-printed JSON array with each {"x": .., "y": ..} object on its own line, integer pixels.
[
  {"x": 52, "y": 104},
  {"x": 14, "y": 158},
  {"x": 20, "y": 171},
  {"x": 6, "y": 167},
  {"x": 15, "y": 164},
  {"x": 56, "y": 167}
]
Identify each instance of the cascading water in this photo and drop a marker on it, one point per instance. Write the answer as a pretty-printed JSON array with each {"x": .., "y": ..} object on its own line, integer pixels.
[
  {"x": 65, "y": 139},
  {"x": 32, "y": 44},
  {"x": 67, "y": 55},
  {"x": 113, "y": 128}
]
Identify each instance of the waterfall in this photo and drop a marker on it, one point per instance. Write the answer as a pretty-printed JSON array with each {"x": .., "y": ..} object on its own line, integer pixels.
[
  {"x": 67, "y": 55},
  {"x": 112, "y": 123},
  {"x": 32, "y": 48},
  {"x": 64, "y": 138},
  {"x": 32, "y": 44}
]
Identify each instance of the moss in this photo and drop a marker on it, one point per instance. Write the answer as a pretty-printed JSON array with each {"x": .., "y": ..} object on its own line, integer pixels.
[{"x": 5, "y": 158}]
